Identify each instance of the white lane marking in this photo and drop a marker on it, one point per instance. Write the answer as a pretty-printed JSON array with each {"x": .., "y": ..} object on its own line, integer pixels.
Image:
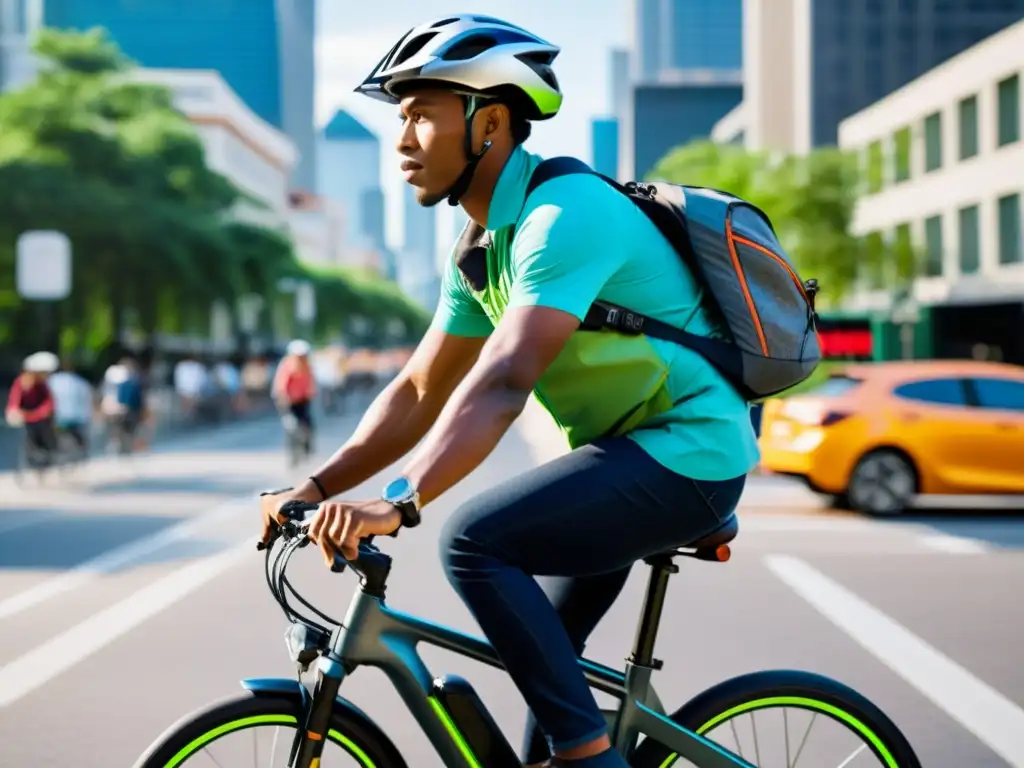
[
  {"x": 954, "y": 545},
  {"x": 57, "y": 655},
  {"x": 982, "y": 710},
  {"x": 127, "y": 554}
]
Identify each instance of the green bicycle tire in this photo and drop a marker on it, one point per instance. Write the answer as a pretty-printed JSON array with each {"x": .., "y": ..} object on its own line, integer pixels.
[
  {"x": 189, "y": 735},
  {"x": 785, "y": 688}
]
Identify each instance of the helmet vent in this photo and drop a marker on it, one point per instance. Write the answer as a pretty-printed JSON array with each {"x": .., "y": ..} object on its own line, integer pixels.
[
  {"x": 443, "y": 22},
  {"x": 413, "y": 47},
  {"x": 469, "y": 47},
  {"x": 540, "y": 63},
  {"x": 537, "y": 57}
]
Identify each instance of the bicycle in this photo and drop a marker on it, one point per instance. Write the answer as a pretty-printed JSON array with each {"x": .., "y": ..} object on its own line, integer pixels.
[
  {"x": 454, "y": 718},
  {"x": 64, "y": 457},
  {"x": 299, "y": 438}
]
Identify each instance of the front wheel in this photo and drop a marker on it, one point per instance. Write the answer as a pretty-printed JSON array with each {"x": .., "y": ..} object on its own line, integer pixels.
[
  {"x": 787, "y": 718},
  {"x": 257, "y": 729}
]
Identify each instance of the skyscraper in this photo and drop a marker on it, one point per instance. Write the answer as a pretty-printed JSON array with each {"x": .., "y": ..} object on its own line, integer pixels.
[
  {"x": 811, "y": 63},
  {"x": 296, "y": 35},
  {"x": 688, "y": 75},
  {"x": 863, "y": 50},
  {"x": 417, "y": 268},
  {"x": 348, "y": 170},
  {"x": 618, "y": 80},
  {"x": 18, "y": 20},
  {"x": 686, "y": 34},
  {"x": 262, "y": 48},
  {"x": 604, "y": 141}
]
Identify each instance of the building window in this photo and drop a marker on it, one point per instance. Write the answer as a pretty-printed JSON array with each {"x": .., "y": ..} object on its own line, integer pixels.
[
  {"x": 1009, "y": 230},
  {"x": 875, "y": 261},
  {"x": 876, "y": 167},
  {"x": 968, "y": 127},
  {"x": 933, "y": 246},
  {"x": 933, "y": 142},
  {"x": 901, "y": 154},
  {"x": 903, "y": 252},
  {"x": 1009, "y": 110},
  {"x": 970, "y": 245}
]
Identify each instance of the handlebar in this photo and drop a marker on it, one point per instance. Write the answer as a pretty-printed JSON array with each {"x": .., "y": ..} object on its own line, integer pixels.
[{"x": 372, "y": 566}]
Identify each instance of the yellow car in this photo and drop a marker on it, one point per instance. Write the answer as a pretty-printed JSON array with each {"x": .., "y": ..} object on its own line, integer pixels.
[{"x": 873, "y": 436}]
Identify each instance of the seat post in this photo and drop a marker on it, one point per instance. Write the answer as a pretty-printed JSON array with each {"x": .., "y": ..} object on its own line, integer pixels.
[{"x": 650, "y": 616}]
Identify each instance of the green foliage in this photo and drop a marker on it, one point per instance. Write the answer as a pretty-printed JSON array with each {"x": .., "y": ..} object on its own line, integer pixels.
[
  {"x": 90, "y": 150},
  {"x": 809, "y": 199}
]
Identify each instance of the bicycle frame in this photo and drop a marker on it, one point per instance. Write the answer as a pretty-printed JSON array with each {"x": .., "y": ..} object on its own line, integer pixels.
[{"x": 465, "y": 735}]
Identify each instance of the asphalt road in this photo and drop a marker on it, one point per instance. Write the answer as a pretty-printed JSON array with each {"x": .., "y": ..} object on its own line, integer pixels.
[{"x": 132, "y": 595}]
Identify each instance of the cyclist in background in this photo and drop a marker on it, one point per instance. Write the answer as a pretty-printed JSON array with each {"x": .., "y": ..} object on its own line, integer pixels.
[
  {"x": 124, "y": 404},
  {"x": 73, "y": 401},
  {"x": 31, "y": 404},
  {"x": 294, "y": 386}
]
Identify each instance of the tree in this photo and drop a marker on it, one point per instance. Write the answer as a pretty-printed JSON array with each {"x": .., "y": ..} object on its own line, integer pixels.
[
  {"x": 810, "y": 200},
  {"x": 90, "y": 150}
]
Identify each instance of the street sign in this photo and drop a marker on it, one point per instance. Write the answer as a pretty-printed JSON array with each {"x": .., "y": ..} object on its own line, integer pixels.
[
  {"x": 305, "y": 303},
  {"x": 43, "y": 267}
]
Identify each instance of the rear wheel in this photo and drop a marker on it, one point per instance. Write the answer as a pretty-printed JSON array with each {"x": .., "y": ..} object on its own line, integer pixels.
[
  {"x": 787, "y": 718},
  {"x": 258, "y": 730}
]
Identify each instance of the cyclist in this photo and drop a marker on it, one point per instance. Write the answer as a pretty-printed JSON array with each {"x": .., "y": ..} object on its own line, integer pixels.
[
  {"x": 661, "y": 443},
  {"x": 124, "y": 404},
  {"x": 294, "y": 386},
  {"x": 30, "y": 403},
  {"x": 73, "y": 400}
]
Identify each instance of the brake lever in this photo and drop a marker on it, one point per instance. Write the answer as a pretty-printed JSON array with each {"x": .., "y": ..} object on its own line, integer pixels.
[{"x": 275, "y": 528}]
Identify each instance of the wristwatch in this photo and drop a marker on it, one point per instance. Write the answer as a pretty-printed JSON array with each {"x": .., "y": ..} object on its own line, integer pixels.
[{"x": 402, "y": 496}]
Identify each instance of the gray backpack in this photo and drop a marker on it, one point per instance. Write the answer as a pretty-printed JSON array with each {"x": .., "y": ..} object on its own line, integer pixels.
[{"x": 753, "y": 291}]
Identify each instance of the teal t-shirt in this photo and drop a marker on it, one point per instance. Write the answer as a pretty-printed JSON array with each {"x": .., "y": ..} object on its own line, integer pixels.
[{"x": 579, "y": 240}]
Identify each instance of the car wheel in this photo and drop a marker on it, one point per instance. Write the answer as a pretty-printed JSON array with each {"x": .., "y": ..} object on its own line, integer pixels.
[{"x": 883, "y": 483}]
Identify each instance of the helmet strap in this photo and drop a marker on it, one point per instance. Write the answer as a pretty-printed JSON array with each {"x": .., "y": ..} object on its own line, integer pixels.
[{"x": 458, "y": 189}]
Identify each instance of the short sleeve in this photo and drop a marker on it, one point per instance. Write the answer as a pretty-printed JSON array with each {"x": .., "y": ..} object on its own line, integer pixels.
[
  {"x": 560, "y": 257},
  {"x": 458, "y": 313}
]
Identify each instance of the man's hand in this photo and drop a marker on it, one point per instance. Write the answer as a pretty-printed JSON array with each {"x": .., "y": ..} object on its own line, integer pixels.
[
  {"x": 270, "y": 507},
  {"x": 339, "y": 525}
]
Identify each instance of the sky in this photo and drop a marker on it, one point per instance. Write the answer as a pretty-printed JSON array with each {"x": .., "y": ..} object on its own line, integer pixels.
[{"x": 353, "y": 36}]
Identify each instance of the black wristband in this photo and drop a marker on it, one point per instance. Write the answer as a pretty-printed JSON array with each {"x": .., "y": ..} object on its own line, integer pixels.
[{"x": 319, "y": 487}]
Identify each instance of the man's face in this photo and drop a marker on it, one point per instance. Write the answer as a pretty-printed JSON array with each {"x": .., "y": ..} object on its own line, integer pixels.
[{"x": 432, "y": 142}]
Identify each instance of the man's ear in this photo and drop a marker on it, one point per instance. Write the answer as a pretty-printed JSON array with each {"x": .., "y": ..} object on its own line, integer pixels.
[{"x": 496, "y": 116}]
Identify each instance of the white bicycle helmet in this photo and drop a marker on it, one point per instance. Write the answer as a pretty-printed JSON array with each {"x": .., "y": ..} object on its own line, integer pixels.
[
  {"x": 41, "y": 362},
  {"x": 298, "y": 347},
  {"x": 479, "y": 57}
]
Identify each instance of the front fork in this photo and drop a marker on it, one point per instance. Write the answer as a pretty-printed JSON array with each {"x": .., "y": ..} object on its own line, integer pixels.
[{"x": 308, "y": 744}]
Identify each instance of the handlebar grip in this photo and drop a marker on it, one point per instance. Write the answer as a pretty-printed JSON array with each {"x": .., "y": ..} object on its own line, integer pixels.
[{"x": 340, "y": 563}]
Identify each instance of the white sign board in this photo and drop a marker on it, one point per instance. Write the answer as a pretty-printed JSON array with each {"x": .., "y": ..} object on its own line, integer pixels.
[
  {"x": 43, "y": 269},
  {"x": 305, "y": 303}
]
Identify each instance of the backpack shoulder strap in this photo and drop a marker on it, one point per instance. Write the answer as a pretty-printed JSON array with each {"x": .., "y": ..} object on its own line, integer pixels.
[{"x": 554, "y": 167}]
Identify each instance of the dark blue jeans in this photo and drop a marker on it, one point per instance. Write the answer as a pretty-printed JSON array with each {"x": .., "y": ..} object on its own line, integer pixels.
[{"x": 586, "y": 517}]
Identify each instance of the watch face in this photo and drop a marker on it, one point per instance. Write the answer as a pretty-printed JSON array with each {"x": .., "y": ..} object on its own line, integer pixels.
[{"x": 398, "y": 490}]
